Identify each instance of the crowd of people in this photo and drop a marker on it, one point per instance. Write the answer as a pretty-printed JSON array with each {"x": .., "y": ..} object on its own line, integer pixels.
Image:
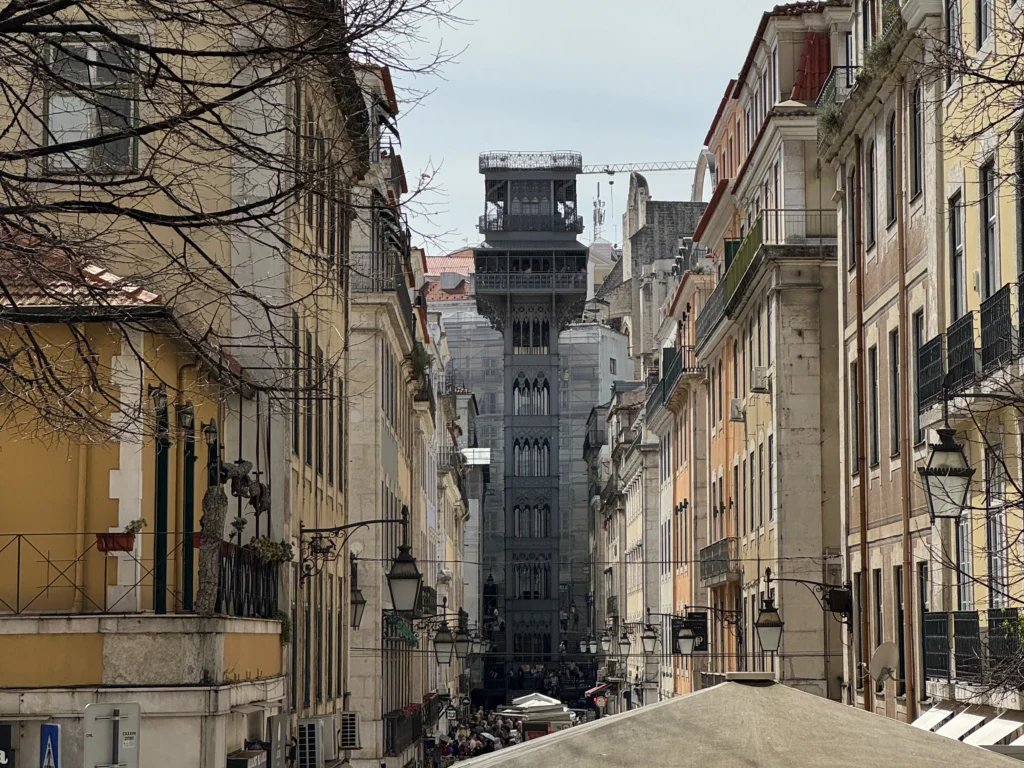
[{"x": 478, "y": 734}]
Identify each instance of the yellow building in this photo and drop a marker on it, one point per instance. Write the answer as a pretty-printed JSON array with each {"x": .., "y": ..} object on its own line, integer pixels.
[{"x": 99, "y": 562}]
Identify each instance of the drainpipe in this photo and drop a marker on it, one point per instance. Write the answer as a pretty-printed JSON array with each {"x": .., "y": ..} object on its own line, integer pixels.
[
  {"x": 865, "y": 601},
  {"x": 80, "y": 508},
  {"x": 188, "y": 498},
  {"x": 163, "y": 447},
  {"x": 909, "y": 676}
]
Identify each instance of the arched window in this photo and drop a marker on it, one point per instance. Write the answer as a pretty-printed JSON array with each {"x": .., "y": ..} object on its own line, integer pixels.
[
  {"x": 517, "y": 334},
  {"x": 515, "y": 458},
  {"x": 516, "y": 394},
  {"x": 524, "y": 514},
  {"x": 545, "y": 399},
  {"x": 545, "y": 332},
  {"x": 890, "y": 170},
  {"x": 544, "y": 460},
  {"x": 535, "y": 340},
  {"x": 545, "y": 516}
]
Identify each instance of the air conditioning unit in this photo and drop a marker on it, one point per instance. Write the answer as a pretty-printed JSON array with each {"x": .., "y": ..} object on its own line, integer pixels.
[
  {"x": 310, "y": 750},
  {"x": 348, "y": 733},
  {"x": 736, "y": 410},
  {"x": 324, "y": 737},
  {"x": 759, "y": 380}
]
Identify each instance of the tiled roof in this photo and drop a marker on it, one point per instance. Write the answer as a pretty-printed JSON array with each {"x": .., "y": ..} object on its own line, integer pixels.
[
  {"x": 435, "y": 293},
  {"x": 814, "y": 68},
  {"x": 460, "y": 261},
  {"x": 38, "y": 275}
]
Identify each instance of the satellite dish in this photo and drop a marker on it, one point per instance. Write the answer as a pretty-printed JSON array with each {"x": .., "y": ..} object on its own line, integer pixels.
[{"x": 885, "y": 662}]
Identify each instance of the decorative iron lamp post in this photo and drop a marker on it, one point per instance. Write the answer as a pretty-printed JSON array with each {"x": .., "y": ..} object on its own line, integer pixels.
[
  {"x": 624, "y": 645},
  {"x": 769, "y": 626},
  {"x": 357, "y": 599},
  {"x": 444, "y": 644},
  {"x": 606, "y": 642},
  {"x": 686, "y": 640},
  {"x": 649, "y": 639},
  {"x": 946, "y": 477}
]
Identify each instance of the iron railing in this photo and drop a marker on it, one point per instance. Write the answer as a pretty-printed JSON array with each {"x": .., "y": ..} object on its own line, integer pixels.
[
  {"x": 526, "y": 222},
  {"x": 402, "y": 729},
  {"x": 936, "y": 645},
  {"x": 710, "y": 315},
  {"x": 718, "y": 561},
  {"x": 69, "y": 573},
  {"x": 796, "y": 226},
  {"x": 961, "y": 363},
  {"x": 531, "y": 161},
  {"x": 1003, "y": 637},
  {"x": 838, "y": 86},
  {"x": 996, "y": 329},
  {"x": 672, "y": 368},
  {"x": 967, "y": 645},
  {"x": 711, "y": 679},
  {"x": 744, "y": 257},
  {"x": 531, "y": 282},
  {"x": 432, "y": 710},
  {"x": 930, "y": 372}
]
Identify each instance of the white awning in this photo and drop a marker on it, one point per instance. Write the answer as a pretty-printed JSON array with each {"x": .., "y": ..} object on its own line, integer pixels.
[
  {"x": 931, "y": 718},
  {"x": 993, "y": 731},
  {"x": 960, "y": 725}
]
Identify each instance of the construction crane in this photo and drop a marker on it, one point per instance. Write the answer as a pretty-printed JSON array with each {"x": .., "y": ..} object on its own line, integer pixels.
[
  {"x": 707, "y": 160},
  {"x": 611, "y": 170}
]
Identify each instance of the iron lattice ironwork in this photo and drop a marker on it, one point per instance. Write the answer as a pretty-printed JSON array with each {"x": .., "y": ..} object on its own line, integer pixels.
[{"x": 531, "y": 161}]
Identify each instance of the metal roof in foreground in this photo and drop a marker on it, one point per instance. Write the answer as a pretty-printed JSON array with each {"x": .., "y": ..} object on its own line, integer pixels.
[{"x": 748, "y": 723}]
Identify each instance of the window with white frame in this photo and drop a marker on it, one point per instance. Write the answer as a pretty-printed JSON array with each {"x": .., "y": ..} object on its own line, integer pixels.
[
  {"x": 995, "y": 510},
  {"x": 91, "y": 95}
]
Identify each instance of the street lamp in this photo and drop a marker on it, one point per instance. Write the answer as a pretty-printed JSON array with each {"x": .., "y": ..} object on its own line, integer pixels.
[
  {"x": 769, "y": 626},
  {"x": 462, "y": 643},
  {"x": 946, "y": 477},
  {"x": 649, "y": 639},
  {"x": 210, "y": 433},
  {"x": 357, "y": 599},
  {"x": 592, "y": 644},
  {"x": 444, "y": 644},
  {"x": 624, "y": 645},
  {"x": 186, "y": 415},
  {"x": 686, "y": 640},
  {"x": 405, "y": 579},
  {"x": 606, "y": 642}
]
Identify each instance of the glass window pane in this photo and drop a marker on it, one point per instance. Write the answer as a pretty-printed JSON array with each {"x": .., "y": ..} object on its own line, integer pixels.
[{"x": 68, "y": 122}]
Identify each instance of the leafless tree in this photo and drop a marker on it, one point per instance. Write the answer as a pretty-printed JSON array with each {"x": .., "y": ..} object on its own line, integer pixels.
[{"x": 165, "y": 145}]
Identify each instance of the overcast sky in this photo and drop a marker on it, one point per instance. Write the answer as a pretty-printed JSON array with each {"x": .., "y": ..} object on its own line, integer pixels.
[{"x": 619, "y": 80}]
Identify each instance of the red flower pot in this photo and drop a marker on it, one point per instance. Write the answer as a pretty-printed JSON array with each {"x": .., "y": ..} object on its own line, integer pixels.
[{"x": 115, "y": 542}]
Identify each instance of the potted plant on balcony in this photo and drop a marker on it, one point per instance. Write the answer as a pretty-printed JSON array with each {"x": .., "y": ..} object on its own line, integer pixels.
[
  {"x": 122, "y": 541},
  {"x": 270, "y": 551}
]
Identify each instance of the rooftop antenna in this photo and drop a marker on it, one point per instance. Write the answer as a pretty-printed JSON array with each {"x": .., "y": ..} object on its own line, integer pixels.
[
  {"x": 598, "y": 214},
  {"x": 615, "y": 224}
]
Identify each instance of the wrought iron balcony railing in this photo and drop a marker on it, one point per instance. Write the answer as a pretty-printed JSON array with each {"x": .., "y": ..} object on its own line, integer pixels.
[
  {"x": 996, "y": 330},
  {"x": 710, "y": 315},
  {"x": 961, "y": 360},
  {"x": 382, "y": 271},
  {"x": 838, "y": 86},
  {"x": 612, "y": 605},
  {"x": 957, "y": 646},
  {"x": 572, "y": 222},
  {"x": 402, "y": 729},
  {"x": 54, "y": 573},
  {"x": 719, "y": 563},
  {"x": 930, "y": 372}
]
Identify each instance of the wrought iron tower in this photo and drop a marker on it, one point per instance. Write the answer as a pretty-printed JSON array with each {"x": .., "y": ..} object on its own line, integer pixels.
[{"x": 531, "y": 283}]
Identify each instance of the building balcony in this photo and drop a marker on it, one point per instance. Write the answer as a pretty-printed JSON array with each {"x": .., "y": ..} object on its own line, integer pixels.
[
  {"x": 834, "y": 92},
  {"x": 971, "y": 646},
  {"x": 382, "y": 271},
  {"x": 571, "y": 222},
  {"x": 996, "y": 330},
  {"x": 529, "y": 282},
  {"x": 90, "y": 612},
  {"x": 612, "y": 605},
  {"x": 778, "y": 234},
  {"x": 719, "y": 562},
  {"x": 402, "y": 729},
  {"x": 961, "y": 355},
  {"x": 531, "y": 161}
]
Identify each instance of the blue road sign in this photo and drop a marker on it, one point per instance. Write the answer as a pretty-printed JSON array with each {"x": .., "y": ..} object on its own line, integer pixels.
[{"x": 49, "y": 745}]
